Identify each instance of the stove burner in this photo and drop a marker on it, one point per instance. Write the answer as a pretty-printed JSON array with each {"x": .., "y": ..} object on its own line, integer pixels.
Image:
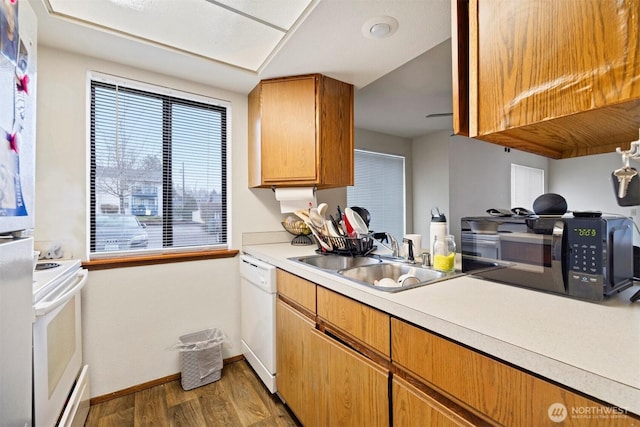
[{"x": 46, "y": 265}]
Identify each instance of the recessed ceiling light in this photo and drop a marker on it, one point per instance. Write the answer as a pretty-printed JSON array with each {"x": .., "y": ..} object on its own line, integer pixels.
[{"x": 379, "y": 27}]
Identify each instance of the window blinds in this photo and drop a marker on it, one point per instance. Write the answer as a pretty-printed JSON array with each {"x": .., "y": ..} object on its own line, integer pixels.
[{"x": 159, "y": 160}]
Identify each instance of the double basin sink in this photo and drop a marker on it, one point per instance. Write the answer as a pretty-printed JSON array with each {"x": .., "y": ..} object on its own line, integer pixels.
[{"x": 370, "y": 270}]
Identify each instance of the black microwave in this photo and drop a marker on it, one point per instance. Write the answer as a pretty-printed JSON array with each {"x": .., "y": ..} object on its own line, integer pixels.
[{"x": 587, "y": 258}]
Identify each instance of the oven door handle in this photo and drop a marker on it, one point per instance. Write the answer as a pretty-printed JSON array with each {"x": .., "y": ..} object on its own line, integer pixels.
[{"x": 44, "y": 307}]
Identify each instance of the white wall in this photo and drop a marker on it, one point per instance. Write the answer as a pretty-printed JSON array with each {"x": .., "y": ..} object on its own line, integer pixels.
[
  {"x": 586, "y": 182},
  {"x": 132, "y": 316},
  {"x": 480, "y": 177},
  {"x": 462, "y": 177},
  {"x": 430, "y": 181}
]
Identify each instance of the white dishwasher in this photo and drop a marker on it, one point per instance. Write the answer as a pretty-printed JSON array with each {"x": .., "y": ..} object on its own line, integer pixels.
[{"x": 258, "y": 317}]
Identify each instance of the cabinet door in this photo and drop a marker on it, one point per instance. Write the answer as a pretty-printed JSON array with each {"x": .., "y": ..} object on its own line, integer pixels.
[
  {"x": 540, "y": 60},
  {"x": 293, "y": 333},
  {"x": 288, "y": 130},
  {"x": 412, "y": 407},
  {"x": 556, "y": 78},
  {"x": 352, "y": 390}
]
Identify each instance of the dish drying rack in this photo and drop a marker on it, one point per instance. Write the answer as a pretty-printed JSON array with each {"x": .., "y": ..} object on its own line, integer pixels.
[{"x": 356, "y": 246}]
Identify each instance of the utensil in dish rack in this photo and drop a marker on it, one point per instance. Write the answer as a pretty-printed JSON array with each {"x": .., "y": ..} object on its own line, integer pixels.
[
  {"x": 334, "y": 228},
  {"x": 322, "y": 210},
  {"x": 324, "y": 243}
]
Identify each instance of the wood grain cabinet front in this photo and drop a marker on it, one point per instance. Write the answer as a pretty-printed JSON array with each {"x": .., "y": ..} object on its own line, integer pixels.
[
  {"x": 352, "y": 390},
  {"x": 297, "y": 290},
  {"x": 294, "y": 366},
  {"x": 555, "y": 78},
  {"x": 301, "y": 132},
  {"x": 355, "y": 322},
  {"x": 493, "y": 390},
  {"x": 413, "y": 407},
  {"x": 324, "y": 380}
]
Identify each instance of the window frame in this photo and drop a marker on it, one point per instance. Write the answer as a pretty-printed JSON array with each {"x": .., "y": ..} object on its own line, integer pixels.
[{"x": 101, "y": 260}]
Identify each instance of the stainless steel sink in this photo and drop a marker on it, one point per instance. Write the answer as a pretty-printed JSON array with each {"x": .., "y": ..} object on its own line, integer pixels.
[
  {"x": 368, "y": 270},
  {"x": 336, "y": 262},
  {"x": 370, "y": 275}
]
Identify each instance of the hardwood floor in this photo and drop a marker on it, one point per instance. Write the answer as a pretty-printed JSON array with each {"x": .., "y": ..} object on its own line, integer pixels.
[{"x": 237, "y": 399}]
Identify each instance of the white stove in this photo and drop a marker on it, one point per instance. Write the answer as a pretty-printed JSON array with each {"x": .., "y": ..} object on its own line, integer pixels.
[
  {"x": 60, "y": 381},
  {"x": 49, "y": 274}
]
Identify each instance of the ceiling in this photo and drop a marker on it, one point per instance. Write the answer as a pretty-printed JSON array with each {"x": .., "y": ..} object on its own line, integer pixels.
[{"x": 233, "y": 44}]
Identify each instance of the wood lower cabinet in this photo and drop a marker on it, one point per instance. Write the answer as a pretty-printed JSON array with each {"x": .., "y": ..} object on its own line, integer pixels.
[
  {"x": 301, "y": 132},
  {"x": 491, "y": 389},
  {"x": 352, "y": 390},
  {"x": 343, "y": 363},
  {"x": 297, "y": 290},
  {"x": 324, "y": 380},
  {"x": 293, "y": 362},
  {"x": 355, "y": 321},
  {"x": 413, "y": 407}
]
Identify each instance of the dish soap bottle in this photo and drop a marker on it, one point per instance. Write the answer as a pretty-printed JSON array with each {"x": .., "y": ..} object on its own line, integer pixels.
[
  {"x": 438, "y": 226},
  {"x": 444, "y": 252}
]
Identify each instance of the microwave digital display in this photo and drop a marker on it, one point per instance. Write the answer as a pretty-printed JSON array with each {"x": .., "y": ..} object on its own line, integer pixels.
[{"x": 586, "y": 232}]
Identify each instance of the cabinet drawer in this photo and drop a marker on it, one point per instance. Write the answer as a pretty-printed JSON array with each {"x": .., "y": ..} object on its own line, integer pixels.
[
  {"x": 297, "y": 290},
  {"x": 501, "y": 392},
  {"x": 359, "y": 321}
]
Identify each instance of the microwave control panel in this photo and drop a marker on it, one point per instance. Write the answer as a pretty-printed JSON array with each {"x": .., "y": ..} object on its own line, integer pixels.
[
  {"x": 584, "y": 240},
  {"x": 598, "y": 256}
]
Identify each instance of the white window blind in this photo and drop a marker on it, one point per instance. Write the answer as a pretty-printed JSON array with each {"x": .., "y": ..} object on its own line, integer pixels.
[
  {"x": 379, "y": 186},
  {"x": 158, "y": 170}
]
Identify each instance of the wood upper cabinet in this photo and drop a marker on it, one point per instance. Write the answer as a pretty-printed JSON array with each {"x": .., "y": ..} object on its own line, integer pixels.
[
  {"x": 556, "y": 78},
  {"x": 301, "y": 132}
]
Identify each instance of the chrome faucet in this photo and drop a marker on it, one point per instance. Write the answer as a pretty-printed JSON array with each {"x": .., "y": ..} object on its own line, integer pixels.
[
  {"x": 384, "y": 236},
  {"x": 395, "y": 247}
]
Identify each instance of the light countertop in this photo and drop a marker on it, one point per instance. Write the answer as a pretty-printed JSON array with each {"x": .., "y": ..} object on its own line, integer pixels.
[{"x": 590, "y": 347}]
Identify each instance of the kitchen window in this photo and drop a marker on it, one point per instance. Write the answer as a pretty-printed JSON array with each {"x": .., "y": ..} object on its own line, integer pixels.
[
  {"x": 158, "y": 170},
  {"x": 379, "y": 186}
]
